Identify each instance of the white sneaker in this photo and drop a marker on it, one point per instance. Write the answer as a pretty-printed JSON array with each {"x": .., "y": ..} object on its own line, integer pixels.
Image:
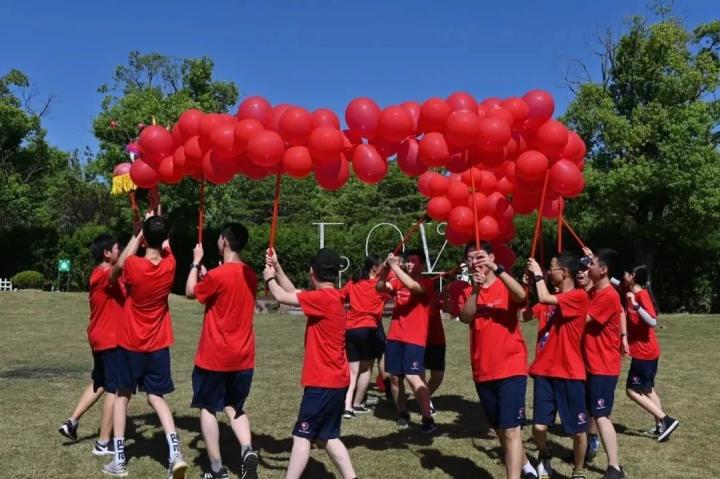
[
  {"x": 177, "y": 467},
  {"x": 115, "y": 469}
]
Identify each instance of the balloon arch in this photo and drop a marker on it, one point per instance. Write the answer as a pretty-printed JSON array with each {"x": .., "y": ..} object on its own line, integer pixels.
[{"x": 478, "y": 163}]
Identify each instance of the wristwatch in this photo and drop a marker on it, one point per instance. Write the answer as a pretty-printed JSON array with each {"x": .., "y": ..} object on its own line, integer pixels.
[
  {"x": 538, "y": 278},
  {"x": 499, "y": 270},
  {"x": 195, "y": 266}
]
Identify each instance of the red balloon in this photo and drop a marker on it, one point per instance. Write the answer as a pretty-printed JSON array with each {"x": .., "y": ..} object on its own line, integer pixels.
[
  {"x": 408, "y": 160},
  {"x": 518, "y": 108},
  {"x": 486, "y": 157},
  {"x": 178, "y": 139},
  {"x": 433, "y": 114},
  {"x": 504, "y": 256},
  {"x": 413, "y": 108},
  {"x": 487, "y": 183},
  {"x": 156, "y": 141},
  {"x": 458, "y": 162},
  {"x": 540, "y": 108},
  {"x": 461, "y": 100},
  {"x": 552, "y": 137},
  {"x": 461, "y": 219},
  {"x": 438, "y": 185},
  {"x": 424, "y": 183},
  {"x": 524, "y": 202},
  {"x": 553, "y": 207},
  {"x": 395, "y": 123},
  {"x": 189, "y": 122},
  {"x": 363, "y": 115},
  {"x": 193, "y": 151},
  {"x": 325, "y": 117},
  {"x": 208, "y": 123},
  {"x": 500, "y": 113},
  {"x": 332, "y": 175},
  {"x": 368, "y": 165},
  {"x": 297, "y": 161},
  {"x": 277, "y": 112},
  {"x": 246, "y": 167},
  {"x": 326, "y": 143},
  {"x": 462, "y": 127},
  {"x": 467, "y": 177},
  {"x": 256, "y": 108},
  {"x": 564, "y": 177},
  {"x": 216, "y": 169},
  {"x": 296, "y": 124},
  {"x": 223, "y": 138},
  {"x": 497, "y": 205},
  {"x": 494, "y": 133},
  {"x": 266, "y": 148},
  {"x": 458, "y": 193},
  {"x": 574, "y": 148},
  {"x": 355, "y": 137},
  {"x": 143, "y": 175},
  {"x": 386, "y": 148},
  {"x": 492, "y": 102},
  {"x": 507, "y": 230},
  {"x": 531, "y": 166},
  {"x": 433, "y": 150},
  {"x": 245, "y": 129},
  {"x": 481, "y": 203},
  {"x": 456, "y": 238},
  {"x": 168, "y": 172},
  {"x": 180, "y": 160},
  {"x": 438, "y": 208},
  {"x": 488, "y": 228},
  {"x": 505, "y": 186}
]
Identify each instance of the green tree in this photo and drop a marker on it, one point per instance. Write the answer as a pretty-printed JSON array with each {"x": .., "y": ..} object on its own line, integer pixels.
[{"x": 653, "y": 171}]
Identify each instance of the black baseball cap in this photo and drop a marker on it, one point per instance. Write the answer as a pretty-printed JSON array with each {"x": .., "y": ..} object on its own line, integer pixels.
[
  {"x": 584, "y": 263},
  {"x": 326, "y": 264}
]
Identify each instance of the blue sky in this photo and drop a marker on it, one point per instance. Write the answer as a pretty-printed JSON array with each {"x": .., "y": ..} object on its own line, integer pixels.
[{"x": 312, "y": 53}]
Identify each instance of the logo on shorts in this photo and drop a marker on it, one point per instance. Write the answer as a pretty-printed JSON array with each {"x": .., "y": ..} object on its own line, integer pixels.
[
  {"x": 636, "y": 379},
  {"x": 521, "y": 413},
  {"x": 415, "y": 365},
  {"x": 304, "y": 426},
  {"x": 601, "y": 403},
  {"x": 581, "y": 418}
]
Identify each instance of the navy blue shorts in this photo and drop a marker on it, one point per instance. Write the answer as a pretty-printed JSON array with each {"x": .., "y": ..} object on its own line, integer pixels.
[
  {"x": 404, "y": 358},
  {"x": 215, "y": 390},
  {"x": 320, "y": 414},
  {"x": 564, "y": 397},
  {"x": 600, "y": 391},
  {"x": 104, "y": 373},
  {"x": 503, "y": 401},
  {"x": 434, "y": 358},
  {"x": 150, "y": 372},
  {"x": 380, "y": 340},
  {"x": 360, "y": 344},
  {"x": 641, "y": 376}
]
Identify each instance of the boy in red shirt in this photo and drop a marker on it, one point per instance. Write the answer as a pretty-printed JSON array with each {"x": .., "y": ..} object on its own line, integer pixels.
[
  {"x": 226, "y": 352},
  {"x": 602, "y": 345},
  {"x": 325, "y": 373},
  {"x": 497, "y": 352},
  {"x": 558, "y": 369},
  {"x": 144, "y": 340},
  {"x": 645, "y": 351},
  {"x": 408, "y": 334},
  {"x": 106, "y": 302}
]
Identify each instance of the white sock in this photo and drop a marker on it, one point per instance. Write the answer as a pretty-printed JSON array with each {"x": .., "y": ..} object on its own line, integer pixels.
[
  {"x": 528, "y": 468},
  {"x": 216, "y": 465},
  {"x": 119, "y": 450},
  {"x": 74, "y": 422},
  {"x": 173, "y": 443}
]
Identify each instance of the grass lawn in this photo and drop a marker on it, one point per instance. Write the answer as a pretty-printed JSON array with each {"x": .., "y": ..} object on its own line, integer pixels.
[{"x": 45, "y": 363}]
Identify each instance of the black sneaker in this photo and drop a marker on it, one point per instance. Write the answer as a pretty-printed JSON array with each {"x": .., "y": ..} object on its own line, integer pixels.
[
  {"x": 348, "y": 414},
  {"x": 361, "y": 409},
  {"x": 403, "y": 421},
  {"x": 654, "y": 431},
  {"x": 666, "y": 428},
  {"x": 543, "y": 468},
  {"x": 578, "y": 475},
  {"x": 68, "y": 430},
  {"x": 103, "y": 449},
  {"x": 428, "y": 425},
  {"x": 612, "y": 473},
  {"x": 529, "y": 475},
  {"x": 250, "y": 465},
  {"x": 221, "y": 474}
]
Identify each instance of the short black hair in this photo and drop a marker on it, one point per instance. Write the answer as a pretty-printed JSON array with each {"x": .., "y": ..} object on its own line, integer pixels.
[
  {"x": 102, "y": 242},
  {"x": 608, "y": 258},
  {"x": 155, "y": 231},
  {"x": 371, "y": 262},
  {"x": 568, "y": 261},
  {"x": 326, "y": 264},
  {"x": 414, "y": 252},
  {"x": 236, "y": 235},
  {"x": 484, "y": 245}
]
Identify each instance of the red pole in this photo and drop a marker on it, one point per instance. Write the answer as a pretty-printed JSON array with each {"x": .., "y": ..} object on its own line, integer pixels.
[
  {"x": 409, "y": 234},
  {"x": 572, "y": 232},
  {"x": 559, "y": 231},
  {"x": 475, "y": 214},
  {"x": 201, "y": 212},
  {"x": 276, "y": 207},
  {"x": 538, "y": 223}
]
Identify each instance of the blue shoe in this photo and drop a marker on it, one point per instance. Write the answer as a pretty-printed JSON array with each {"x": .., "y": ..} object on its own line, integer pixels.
[{"x": 592, "y": 448}]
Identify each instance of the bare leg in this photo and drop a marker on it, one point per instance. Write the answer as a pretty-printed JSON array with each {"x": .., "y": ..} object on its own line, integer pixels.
[
  {"x": 363, "y": 381},
  {"x": 513, "y": 451},
  {"x": 579, "y": 447},
  {"x": 436, "y": 379},
  {"x": 163, "y": 412},
  {"x": 240, "y": 426},
  {"x": 609, "y": 440},
  {"x": 211, "y": 434},
  {"x": 354, "y": 367},
  {"x": 86, "y": 401},
  {"x": 120, "y": 407},
  {"x": 340, "y": 457},
  {"x": 655, "y": 398},
  {"x": 106, "y": 419},
  {"x": 299, "y": 457},
  {"x": 422, "y": 394},
  {"x": 398, "y": 393},
  {"x": 539, "y": 432},
  {"x": 645, "y": 401}
]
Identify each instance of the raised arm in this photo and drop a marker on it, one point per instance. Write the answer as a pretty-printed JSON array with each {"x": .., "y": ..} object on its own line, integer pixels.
[
  {"x": 381, "y": 285},
  {"x": 281, "y": 295},
  {"x": 130, "y": 250},
  {"x": 404, "y": 278},
  {"x": 195, "y": 270},
  {"x": 544, "y": 295},
  {"x": 280, "y": 276},
  {"x": 517, "y": 292},
  {"x": 644, "y": 314}
]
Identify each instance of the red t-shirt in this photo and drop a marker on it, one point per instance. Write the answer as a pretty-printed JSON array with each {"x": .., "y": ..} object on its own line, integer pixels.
[
  {"x": 146, "y": 324},
  {"x": 601, "y": 341},
  {"x": 366, "y": 304},
  {"x": 227, "y": 340},
  {"x": 106, "y": 303},
  {"x": 497, "y": 348},
  {"x": 325, "y": 364},
  {"x": 641, "y": 337},
  {"x": 454, "y": 290},
  {"x": 560, "y": 329},
  {"x": 411, "y": 315}
]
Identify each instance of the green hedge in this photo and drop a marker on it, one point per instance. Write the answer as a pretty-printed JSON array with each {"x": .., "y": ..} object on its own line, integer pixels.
[{"x": 28, "y": 280}]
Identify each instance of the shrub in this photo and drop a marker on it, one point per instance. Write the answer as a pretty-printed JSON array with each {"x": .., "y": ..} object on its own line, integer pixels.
[{"x": 28, "y": 280}]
